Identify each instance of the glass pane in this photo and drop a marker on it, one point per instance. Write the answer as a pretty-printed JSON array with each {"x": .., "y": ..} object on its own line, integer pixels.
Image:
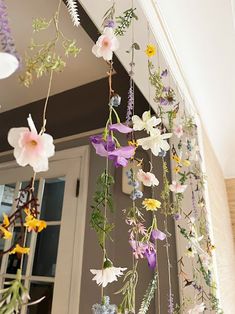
[
  {"x": 37, "y": 291},
  {"x": 6, "y": 198},
  {"x": 14, "y": 260},
  {"x": 46, "y": 252},
  {"x": 52, "y": 202}
]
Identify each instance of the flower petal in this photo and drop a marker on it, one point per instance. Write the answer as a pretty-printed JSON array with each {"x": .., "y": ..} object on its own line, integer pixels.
[{"x": 122, "y": 128}]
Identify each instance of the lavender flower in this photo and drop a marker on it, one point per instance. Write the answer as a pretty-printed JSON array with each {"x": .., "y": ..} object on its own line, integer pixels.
[
  {"x": 7, "y": 41},
  {"x": 164, "y": 73},
  {"x": 109, "y": 23},
  {"x": 130, "y": 104},
  {"x": 171, "y": 304}
]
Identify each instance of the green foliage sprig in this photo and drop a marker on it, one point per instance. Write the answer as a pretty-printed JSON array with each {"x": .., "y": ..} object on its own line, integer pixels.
[
  {"x": 45, "y": 59},
  {"x": 128, "y": 292},
  {"x": 102, "y": 196},
  {"x": 124, "y": 21},
  {"x": 149, "y": 295}
]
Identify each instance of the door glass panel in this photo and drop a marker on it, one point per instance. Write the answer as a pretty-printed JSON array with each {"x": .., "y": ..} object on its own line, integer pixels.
[
  {"x": 52, "y": 202},
  {"x": 14, "y": 260},
  {"x": 7, "y": 193},
  {"x": 46, "y": 252},
  {"x": 37, "y": 291}
]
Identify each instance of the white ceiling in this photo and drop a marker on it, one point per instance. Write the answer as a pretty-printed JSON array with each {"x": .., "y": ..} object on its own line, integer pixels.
[
  {"x": 79, "y": 71},
  {"x": 203, "y": 35}
]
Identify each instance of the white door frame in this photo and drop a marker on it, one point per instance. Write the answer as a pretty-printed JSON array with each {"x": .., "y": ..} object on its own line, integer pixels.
[{"x": 78, "y": 163}]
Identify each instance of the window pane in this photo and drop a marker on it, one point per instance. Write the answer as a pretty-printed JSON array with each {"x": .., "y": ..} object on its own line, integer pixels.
[
  {"x": 37, "y": 291},
  {"x": 52, "y": 202},
  {"x": 46, "y": 252},
  {"x": 6, "y": 198},
  {"x": 14, "y": 260}
]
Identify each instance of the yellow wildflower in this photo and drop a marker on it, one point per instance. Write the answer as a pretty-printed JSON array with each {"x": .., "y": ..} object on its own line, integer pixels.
[
  {"x": 150, "y": 50},
  {"x": 177, "y": 169},
  {"x": 6, "y": 221},
  {"x": 6, "y": 234},
  {"x": 176, "y": 158},
  {"x": 20, "y": 250},
  {"x": 151, "y": 204},
  {"x": 186, "y": 163},
  {"x": 34, "y": 224}
]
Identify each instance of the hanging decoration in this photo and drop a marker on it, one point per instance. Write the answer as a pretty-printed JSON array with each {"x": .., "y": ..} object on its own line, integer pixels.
[
  {"x": 169, "y": 133},
  {"x": 45, "y": 58},
  {"x": 9, "y": 60}
]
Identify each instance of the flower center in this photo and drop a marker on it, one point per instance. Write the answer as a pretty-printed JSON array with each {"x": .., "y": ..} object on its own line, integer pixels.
[
  {"x": 105, "y": 43},
  {"x": 33, "y": 143}
]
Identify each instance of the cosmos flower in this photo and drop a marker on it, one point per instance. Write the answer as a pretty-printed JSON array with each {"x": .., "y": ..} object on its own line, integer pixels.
[
  {"x": 31, "y": 148},
  {"x": 106, "y": 44},
  {"x": 177, "y": 187},
  {"x": 199, "y": 308},
  {"x": 151, "y": 50},
  {"x": 151, "y": 204},
  {"x": 146, "y": 123},
  {"x": 156, "y": 142},
  {"x": 147, "y": 178},
  {"x": 108, "y": 274}
]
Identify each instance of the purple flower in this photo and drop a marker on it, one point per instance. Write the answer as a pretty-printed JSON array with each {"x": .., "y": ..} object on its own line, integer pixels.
[
  {"x": 177, "y": 216},
  {"x": 151, "y": 255},
  {"x": 121, "y": 155},
  {"x": 157, "y": 235},
  {"x": 101, "y": 146},
  {"x": 109, "y": 23},
  {"x": 164, "y": 73},
  {"x": 122, "y": 128}
]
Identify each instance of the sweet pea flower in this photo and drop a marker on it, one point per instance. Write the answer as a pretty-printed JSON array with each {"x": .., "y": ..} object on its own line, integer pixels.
[
  {"x": 121, "y": 155},
  {"x": 30, "y": 147},
  {"x": 156, "y": 142},
  {"x": 199, "y": 308},
  {"x": 107, "y": 275},
  {"x": 157, "y": 235},
  {"x": 106, "y": 44},
  {"x": 146, "y": 123},
  {"x": 147, "y": 178},
  {"x": 144, "y": 250},
  {"x": 177, "y": 187}
]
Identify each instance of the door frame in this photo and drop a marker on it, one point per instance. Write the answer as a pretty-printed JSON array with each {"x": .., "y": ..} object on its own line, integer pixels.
[{"x": 72, "y": 154}]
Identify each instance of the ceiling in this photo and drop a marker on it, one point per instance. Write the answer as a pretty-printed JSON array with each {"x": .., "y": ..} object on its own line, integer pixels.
[
  {"x": 79, "y": 71},
  {"x": 203, "y": 36}
]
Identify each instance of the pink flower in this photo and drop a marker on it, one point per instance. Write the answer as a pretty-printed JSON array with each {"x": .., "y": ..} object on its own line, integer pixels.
[
  {"x": 31, "y": 148},
  {"x": 147, "y": 178},
  {"x": 177, "y": 187},
  {"x": 106, "y": 44},
  {"x": 178, "y": 131}
]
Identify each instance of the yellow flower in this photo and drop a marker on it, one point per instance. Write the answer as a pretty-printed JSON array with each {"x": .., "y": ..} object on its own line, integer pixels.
[
  {"x": 34, "y": 224},
  {"x": 177, "y": 169},
  {"x": 20, "y": 250},
  {"x": 150, "y": 50},
  {"x": 186, "y": 163},
  {"x": 6, "y": 221},
  {"x": 6, "y": 234},
  {"x": 176, "y": 158},
  {"x": 151, "y": 204}
]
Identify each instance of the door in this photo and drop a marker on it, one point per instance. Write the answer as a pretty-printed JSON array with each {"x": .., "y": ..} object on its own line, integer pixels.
[{"x": 54, "y": 264}]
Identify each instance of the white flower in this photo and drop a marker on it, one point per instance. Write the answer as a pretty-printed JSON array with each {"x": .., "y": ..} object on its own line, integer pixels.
[
  {"x": 146, "y": 123},
  {"x": 206, "y": 261},
  {"x": 8, "y": 64},
  {"x": 199, "y": 308},
  {"x": 31, "y": 148},
  {"x": 178, "y": 131},
  {"x": 147, "y": 178},
  {"x": 156, "y": 142},
  {"x": 177, "y": 187},
  {"x": 106, "y": 44},
  {"x": 107, "y": 275}
]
